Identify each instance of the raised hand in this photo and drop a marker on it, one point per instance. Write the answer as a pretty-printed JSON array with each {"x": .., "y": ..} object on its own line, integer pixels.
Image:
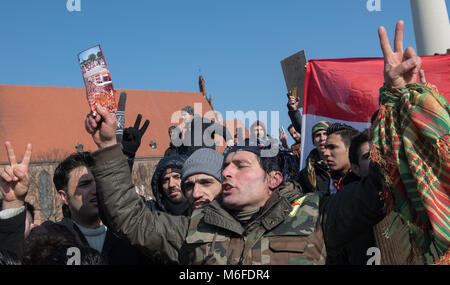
[
  {"x": 102, "y": 127},
  {"x": 120, "y": 115},
  {"x": 400, "y": 68},
  {"x": 14, "y": 178},
  {"x": 293, "y": 102},
  {"x": 132, "y": 137}
]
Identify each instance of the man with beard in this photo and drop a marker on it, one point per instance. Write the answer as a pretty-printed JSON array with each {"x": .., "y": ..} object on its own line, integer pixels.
[
  {"x": 201, "y": 177},
  {"x": 166, "y": 187}
]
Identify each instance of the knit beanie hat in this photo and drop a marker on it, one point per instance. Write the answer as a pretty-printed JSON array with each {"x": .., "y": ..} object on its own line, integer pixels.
[
  {"x": 204, "y": 160},
  {"x": 320, "y": 126}
]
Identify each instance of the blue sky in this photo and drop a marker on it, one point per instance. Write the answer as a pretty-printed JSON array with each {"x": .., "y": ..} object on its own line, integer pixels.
[{"x": 165, "y": 45}]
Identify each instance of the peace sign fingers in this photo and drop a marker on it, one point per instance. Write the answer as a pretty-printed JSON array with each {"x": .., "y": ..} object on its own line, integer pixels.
[
  {"x": 144, "y": 127},
  {"x": 26, "y": 157},
  {"x": 11, "y": 155},
  {"x": 14, "y": 178},
  {"x": 384, "y": 42},
  {"x": 138, "y": 122},
  {"x": 398, "y": 40}
]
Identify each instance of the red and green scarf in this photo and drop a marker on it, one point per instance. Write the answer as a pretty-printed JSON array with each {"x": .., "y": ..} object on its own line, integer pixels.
[{"x": 411, "y": 143}]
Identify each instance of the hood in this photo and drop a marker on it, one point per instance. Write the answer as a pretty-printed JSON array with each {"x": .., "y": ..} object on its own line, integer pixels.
[{"x": 173, "y": 161}]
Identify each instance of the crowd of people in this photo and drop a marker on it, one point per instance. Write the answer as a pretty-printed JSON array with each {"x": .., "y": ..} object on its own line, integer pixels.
[{"x": 237, "y": 207}]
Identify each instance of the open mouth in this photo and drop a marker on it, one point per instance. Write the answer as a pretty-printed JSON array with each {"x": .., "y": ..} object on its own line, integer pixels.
[
  {"x": 227, "y": 188},
  {"x": 200, "y": 204}
]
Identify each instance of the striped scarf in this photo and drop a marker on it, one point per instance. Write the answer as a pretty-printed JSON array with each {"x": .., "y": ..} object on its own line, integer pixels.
[{"x": 411, "y": 143}]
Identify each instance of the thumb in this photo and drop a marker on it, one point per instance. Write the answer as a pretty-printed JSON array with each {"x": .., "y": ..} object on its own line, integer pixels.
[
  {"x": 406, "y": 66},
  {"x": 422, "y": 76},
  {"x": 21, "y": 174},
  {"x": 107, "y": 116}
]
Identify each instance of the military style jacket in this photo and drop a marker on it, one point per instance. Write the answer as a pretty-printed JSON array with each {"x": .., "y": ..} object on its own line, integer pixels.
[
  {"x": 286, "y": 231},
  {"x": 289, "y": 229}
]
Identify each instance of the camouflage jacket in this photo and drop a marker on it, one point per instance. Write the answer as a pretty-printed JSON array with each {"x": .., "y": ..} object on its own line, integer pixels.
[
  {"x": 290, "y": 229},
  {"x": 287, "y": 231}
]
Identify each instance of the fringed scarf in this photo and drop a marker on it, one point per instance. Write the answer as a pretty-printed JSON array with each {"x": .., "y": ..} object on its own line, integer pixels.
[{"x": 411, "y": 143}]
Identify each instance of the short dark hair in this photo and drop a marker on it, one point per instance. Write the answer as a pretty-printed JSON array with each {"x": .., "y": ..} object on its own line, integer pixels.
[
  {"x": 345, "y": 131},
  {"x": 75, "y": 160},
  {"x": 48, "y": 245},
  {"x": 290, "y": 126},
  {"x": 188, "y": 109},
  {"x": 355, "y": 145},
  {"x": 171, "y": 128}
]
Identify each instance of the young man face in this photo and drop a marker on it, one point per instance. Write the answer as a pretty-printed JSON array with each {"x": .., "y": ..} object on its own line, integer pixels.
[
  {"x": 259, "y": 132},
  {"x": 245, "y": 185},
  {"x": 362, "y": 169},
  {"x": 171, "y": 187},
  {"x": 295, "y": 135},
  {"x": 200, "y": 189},
  {"x": 319, "y": 141},
  {"x": 187, "y": 118},
  {"x": 336, "y": 154},
  {"x": 81, "y": 195}
]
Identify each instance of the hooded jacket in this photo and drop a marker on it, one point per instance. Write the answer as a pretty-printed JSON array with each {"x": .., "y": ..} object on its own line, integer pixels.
[{"x": 160, "y": 201}]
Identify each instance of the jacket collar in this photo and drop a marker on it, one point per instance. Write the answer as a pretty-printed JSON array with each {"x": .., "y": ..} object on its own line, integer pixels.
[{"x": 274, "y": 212}]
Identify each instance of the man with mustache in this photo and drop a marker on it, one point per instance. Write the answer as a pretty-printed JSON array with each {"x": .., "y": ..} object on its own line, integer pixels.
[
  {"x": 166, "y": 187},
  {"x": 201, "y": 177}
]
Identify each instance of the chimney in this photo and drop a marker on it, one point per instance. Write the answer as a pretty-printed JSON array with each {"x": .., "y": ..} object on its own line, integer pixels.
[{"x": 202, "y": 85}]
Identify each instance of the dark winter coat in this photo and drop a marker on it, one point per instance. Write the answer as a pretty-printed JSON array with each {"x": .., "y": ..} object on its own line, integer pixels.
[
  {"x": 116, "y": 251},
  {"x": 12, "y": 233}
]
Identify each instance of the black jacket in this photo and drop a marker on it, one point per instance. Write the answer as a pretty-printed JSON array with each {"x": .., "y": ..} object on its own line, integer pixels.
[
  {"x": 358, "y": 206},
  {"x": 173, "y": 150},
  {"x": 12, "y": 233},
  {"x": 192, "y": 141},
  {"x": 116, "y": 251},
  {"x": 296, "y": 120},
  {"x": 354, "y": 252}
]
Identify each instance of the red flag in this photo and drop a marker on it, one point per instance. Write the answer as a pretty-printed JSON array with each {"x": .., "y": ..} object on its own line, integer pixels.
[{"x": 346, "y": 90}]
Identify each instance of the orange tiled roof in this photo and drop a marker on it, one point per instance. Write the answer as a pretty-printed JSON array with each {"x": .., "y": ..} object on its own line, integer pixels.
[{"x": 52, "y": 118}]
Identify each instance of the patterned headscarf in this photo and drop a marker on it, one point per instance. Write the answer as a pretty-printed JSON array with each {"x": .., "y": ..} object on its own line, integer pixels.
[
  {"x": 320, "y": 126},
  {"x": 411, "y": 143}
]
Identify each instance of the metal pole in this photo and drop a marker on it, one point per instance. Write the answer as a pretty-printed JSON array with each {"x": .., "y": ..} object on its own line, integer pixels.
[{"x": 431, "y": 26}]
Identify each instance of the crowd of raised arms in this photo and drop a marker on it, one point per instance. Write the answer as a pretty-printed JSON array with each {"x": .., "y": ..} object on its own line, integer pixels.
[{"x": 250, "y": 205}]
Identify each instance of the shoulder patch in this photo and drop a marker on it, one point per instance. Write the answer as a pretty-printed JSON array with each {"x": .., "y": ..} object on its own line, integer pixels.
[{"x": 296, "y": 205}]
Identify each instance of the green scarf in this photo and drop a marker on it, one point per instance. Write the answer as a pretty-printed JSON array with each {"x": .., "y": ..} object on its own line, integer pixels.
[{"x": 411, "y": 143}]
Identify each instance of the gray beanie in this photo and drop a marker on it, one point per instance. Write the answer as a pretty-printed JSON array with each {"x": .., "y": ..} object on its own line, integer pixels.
[{"x": 204, "y": 160}]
